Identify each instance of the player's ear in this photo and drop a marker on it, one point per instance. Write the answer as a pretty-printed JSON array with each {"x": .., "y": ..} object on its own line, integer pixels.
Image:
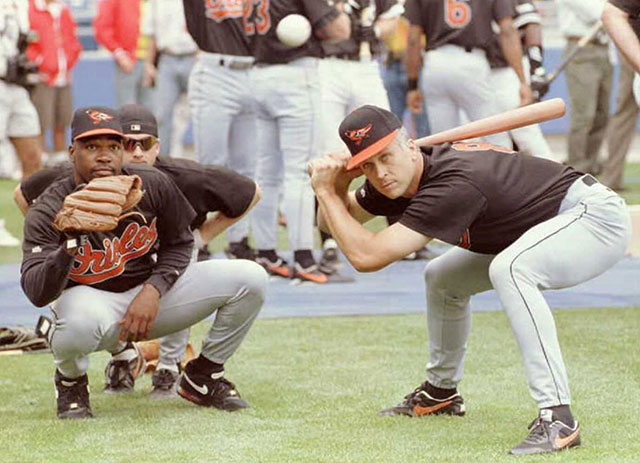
[{"x": 72, "y": 153}]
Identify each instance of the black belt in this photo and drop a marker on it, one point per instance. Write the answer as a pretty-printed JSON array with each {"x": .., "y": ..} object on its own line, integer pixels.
[{"x": 589, "y": 180}]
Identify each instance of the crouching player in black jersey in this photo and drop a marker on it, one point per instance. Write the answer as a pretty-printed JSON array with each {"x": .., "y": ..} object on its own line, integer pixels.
[{"x": 137, "y": 278}]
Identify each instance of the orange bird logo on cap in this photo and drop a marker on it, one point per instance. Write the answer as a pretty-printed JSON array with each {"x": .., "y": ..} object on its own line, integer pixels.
[
  {"x": 97, "y": 116},
  {"x": 359, "y": 134}
]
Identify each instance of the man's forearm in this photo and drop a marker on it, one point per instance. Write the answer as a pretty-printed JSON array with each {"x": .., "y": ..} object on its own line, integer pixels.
[
  {"x": 353, "y": 238},
  {"x": 512, "y": 50},
  {"x": 413, "y": 60},
  {"x": 616, "y": 22}
]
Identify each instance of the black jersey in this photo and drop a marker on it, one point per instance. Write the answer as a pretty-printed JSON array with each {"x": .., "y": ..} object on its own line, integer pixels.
[
  {"x": 350, "y": 48},
  {"x": 526, "y": 13},
  {"x": 207, "y": 188},
  {"x": 466, "y": 23},
  {"x": 265, "y": 16},
  {"x": 217, "y": 26},
  {"x": 482, "y": 200},
  {"x": 632, "y": 8},
  {"x": 113, "y": 261}
]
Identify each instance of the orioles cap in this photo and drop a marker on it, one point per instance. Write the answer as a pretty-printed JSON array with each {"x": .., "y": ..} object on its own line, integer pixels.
[
  {"x": 367, "y": 131},
  {"x": 95, "y": 120},
  {"x": 137, "y": 119}
]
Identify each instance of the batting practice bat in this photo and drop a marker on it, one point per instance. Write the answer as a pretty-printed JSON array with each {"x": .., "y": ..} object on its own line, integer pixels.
[
  {"x": 508, "y": 120},
  {"x": 588, "y": 37}
]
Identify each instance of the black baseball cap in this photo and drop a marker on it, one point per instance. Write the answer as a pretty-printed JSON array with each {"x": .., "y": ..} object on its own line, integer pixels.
[
  {"x": 95, "y": 120},
  {"x": 137, "y": 119},
  {"x": 367, "y": 131}
]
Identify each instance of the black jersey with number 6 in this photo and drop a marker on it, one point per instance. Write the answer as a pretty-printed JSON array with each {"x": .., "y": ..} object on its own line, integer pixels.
[{"x": 466, "y": 23}]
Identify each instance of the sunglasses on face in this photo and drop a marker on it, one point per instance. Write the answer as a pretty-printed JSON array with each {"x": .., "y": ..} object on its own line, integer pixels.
[{"x": 145, "y": 143}]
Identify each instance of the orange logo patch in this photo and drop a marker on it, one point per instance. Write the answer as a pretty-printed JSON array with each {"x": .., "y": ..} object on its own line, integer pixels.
[
  {"x": 359, "y": 134},
  {"x": 97, "y": 116},
  {"x": 219, "y": 10},
  {"x": 93, "y": 266}
]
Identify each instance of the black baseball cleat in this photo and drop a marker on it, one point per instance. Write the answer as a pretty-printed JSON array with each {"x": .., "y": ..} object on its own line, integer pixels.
[
  {"x": 420, "y": 403},
  {"x": 208, "y": 390},
  {"x": 278, "y": 267},
  {"x": 240, "y": 250},
  {"x": 164, "y": 384},
  {"x": 547, "y": 435},
  {"x": 72, "y": 396},
  {"x": 123, "y": 368},
  {"x": 330, "y": 262}
]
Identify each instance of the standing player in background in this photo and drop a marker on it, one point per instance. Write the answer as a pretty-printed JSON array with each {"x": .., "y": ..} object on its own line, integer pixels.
[
  {"x": 589, "y": 79},
  {"x": 18, "y": 117},
  {"x": 622, "y": 22},
  {"x": 286, "y": 85},
  {"x": 226, "y": 194},
  {"x": 55, "y": 51},
  {"x": 394, "y": 77},
  {"x": 132, "y": 294},
  {"x": 117, "y": 27},
  {"x": 456, "y": 72},
  {"x": 220, "y": 98},
  {"x": 504, "y": 81},
  {"x": 174, "y": 51},
  {"x": 350, "y": 77}
]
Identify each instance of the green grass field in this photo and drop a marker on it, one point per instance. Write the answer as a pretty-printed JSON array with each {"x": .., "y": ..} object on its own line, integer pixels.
[{"x": 316, "y": 385}]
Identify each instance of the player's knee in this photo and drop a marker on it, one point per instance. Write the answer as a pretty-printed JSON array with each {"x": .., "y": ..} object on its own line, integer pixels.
[
  {"x": 433, "y": 273},
  {"x": 506, "y": 269},
  {"x": 499, "y": 270},
  {"x": 256, "y": 279}
]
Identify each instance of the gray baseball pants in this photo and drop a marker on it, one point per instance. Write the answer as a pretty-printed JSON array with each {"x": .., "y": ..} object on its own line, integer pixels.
[
  {"x": 86, "y": 319},
  {"x": 590, "y": 234}
]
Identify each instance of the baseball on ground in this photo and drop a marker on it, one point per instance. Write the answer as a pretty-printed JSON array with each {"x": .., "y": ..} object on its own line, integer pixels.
[{"x": 293, "y": 30}]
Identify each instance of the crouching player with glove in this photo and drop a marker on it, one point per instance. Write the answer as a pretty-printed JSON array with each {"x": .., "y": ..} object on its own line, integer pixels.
[{"x": 115, "y": 254}]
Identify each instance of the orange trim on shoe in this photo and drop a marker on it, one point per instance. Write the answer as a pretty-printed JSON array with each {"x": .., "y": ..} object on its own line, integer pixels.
[
  {"x": 319, "y": 278},
  {"x": 420, "y": 411},
  {"x": 562, "y": 442}
]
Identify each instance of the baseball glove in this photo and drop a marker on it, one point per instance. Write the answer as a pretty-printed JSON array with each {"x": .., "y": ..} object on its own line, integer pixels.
[
  {"x": 99, "y": 205},
  {"x": 21, "y": 338}
]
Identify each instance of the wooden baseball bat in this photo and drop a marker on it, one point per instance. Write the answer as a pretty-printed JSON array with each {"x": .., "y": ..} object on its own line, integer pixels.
[
  {"x": 508, "y": 120},
  {"x": 588, "y": 37}
]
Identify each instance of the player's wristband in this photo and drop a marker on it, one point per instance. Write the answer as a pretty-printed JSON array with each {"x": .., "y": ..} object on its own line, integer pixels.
[
  {"x": 412, "y": 84},
  {"x": 534, "y": 54}
]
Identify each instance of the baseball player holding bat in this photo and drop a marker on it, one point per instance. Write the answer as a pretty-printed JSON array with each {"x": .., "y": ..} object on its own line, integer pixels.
[
  {"x": 504, "y": 81},
  {"x": 518, "y": 224},
  {"x": 133, "y": 275},
  {"x": 455, "y": 69},
  {"x": 209, "y": 189}
]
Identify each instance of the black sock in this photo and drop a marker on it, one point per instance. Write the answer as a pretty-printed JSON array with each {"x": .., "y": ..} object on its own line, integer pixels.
[
  {"x": 268, "y": 254},
  {"x": 562, "y": 413},
  {"x": 438, "y": 392},
  {"x": 203, "y": 363},
  {"x": 324, "y": 236},
  {"x": 304, "y": 257}
]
